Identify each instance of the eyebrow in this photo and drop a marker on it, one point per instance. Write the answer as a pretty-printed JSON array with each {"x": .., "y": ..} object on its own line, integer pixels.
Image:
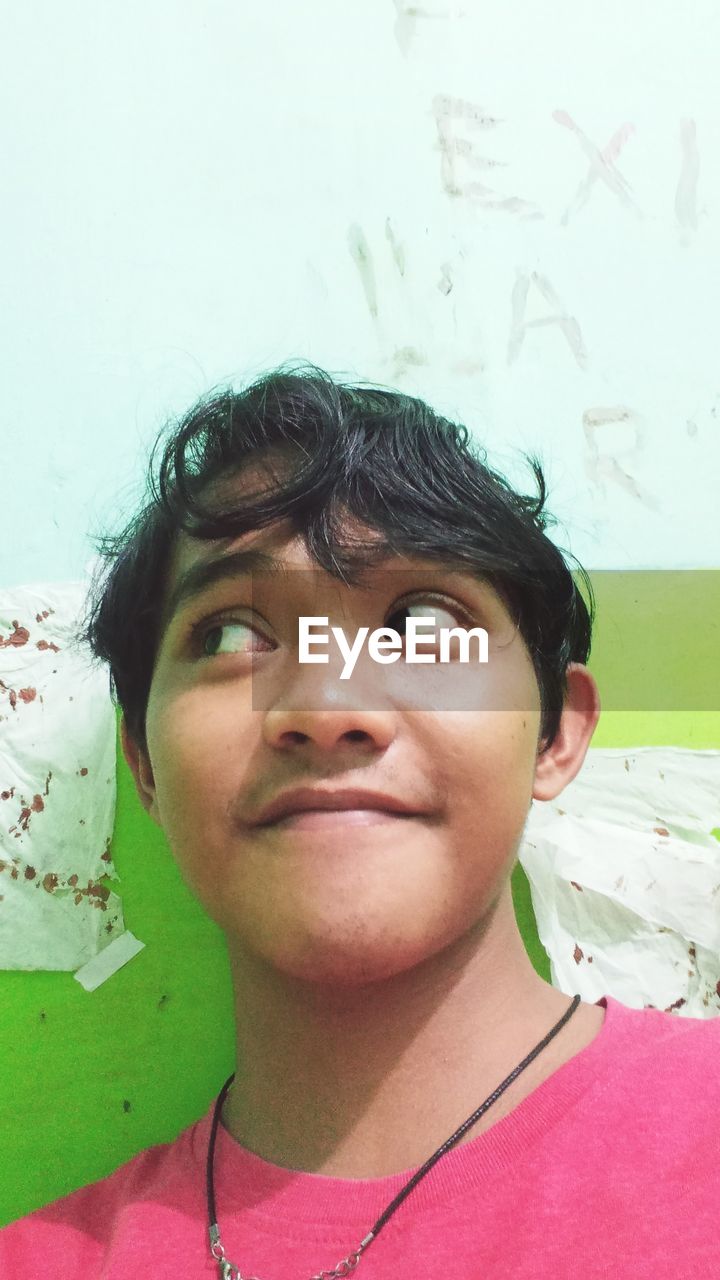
[{"x": 205, "y": 573}]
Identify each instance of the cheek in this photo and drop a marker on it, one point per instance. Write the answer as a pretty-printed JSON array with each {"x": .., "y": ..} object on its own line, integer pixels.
[
  {"x": 489, "y": 780},
  {"x": 200, "y": 744}
]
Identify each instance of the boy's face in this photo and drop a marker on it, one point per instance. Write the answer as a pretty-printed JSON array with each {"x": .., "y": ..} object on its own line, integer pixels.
[{"x": 234, "y": 720}]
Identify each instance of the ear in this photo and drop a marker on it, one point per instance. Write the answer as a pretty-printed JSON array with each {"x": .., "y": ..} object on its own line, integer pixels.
[
  {"x": 559, "y": 763},
  {"x": 141, "y": 769}
]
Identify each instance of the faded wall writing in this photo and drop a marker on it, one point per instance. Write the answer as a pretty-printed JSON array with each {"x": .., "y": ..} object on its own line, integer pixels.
[{"x": 511, "y": 211}]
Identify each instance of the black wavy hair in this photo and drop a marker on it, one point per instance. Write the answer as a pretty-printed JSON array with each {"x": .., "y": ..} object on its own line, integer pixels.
[{"x": 378, "y": 455}]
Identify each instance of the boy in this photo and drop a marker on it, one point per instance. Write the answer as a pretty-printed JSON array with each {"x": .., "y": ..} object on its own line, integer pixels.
[{"x": 355, "y": 838}]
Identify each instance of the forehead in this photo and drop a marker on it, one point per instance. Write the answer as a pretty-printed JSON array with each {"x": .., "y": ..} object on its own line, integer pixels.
[
  {"x": 277, "y": 547},
  {"x": 280, "y": 546},
  {"x": 275, "y": 553},
  {"x": 272, "y": 555}
]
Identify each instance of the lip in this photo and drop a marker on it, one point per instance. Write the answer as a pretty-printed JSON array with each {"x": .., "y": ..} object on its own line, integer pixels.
[
  {"x": 350, "y": 805},
  {"x": 319, "y": 820}
]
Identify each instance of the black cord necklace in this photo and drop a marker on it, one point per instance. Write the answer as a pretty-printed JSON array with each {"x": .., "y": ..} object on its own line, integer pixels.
[{"x": 230, "y": 1271}]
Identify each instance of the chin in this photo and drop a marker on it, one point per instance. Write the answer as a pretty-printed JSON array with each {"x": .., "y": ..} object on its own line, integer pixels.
[{"x": 354, "y": 960}]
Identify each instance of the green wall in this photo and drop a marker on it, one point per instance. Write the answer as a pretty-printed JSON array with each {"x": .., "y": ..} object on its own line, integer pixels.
[{"x": 92, "y": 1078}]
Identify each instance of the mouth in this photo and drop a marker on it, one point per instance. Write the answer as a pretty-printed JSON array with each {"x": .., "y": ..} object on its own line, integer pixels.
[
  {"x": 315, "y": 808},
  {"x": 320, "y": 819}
]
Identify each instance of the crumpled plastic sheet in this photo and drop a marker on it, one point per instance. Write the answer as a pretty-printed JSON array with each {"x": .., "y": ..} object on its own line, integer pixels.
[
  {"x": 57, "y": 785},
  {"x": 625, "y": 879}
]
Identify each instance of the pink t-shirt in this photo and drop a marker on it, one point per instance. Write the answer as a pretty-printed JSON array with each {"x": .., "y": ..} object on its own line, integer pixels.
[{"x": 611, "y": 1169}]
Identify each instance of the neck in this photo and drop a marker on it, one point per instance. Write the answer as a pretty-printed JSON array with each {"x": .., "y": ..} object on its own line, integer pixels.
[{"x": 362, "y": 1082}]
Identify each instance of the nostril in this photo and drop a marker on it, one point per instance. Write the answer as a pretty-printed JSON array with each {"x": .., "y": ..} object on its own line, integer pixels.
[{"x": 356, "y": 735}]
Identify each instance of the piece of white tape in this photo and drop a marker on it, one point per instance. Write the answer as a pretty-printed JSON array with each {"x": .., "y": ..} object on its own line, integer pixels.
[{"x": 104, "y": 965}]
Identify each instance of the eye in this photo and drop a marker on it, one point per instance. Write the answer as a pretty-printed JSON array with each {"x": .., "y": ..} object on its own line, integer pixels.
[
  {"x": 229, "y": 637},
  {"x": 440, "y": 611}
]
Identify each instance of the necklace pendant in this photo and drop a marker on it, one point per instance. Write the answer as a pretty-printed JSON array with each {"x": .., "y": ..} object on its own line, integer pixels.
[{"x": 228, "y": 1271}]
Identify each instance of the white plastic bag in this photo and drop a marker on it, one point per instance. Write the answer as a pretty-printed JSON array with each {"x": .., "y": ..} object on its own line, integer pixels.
[
  {"x": 57, "y": 785},
  {"x": 625, "y": 879}
]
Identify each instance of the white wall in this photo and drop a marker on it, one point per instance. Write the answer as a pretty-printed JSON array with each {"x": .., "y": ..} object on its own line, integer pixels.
[{"x": 197, "y": 191}]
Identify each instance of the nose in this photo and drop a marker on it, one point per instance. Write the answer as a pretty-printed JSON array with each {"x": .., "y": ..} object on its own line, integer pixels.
[
  {"x": 330, "y": 714},
  {"x": 329, "y": 729}
]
